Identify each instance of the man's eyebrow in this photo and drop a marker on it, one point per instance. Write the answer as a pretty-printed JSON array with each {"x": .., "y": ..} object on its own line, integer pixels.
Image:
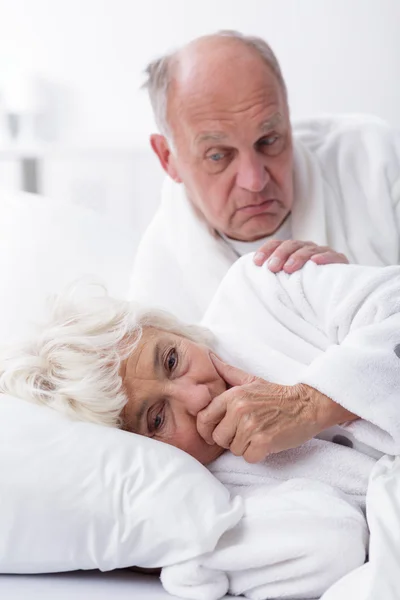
[
  {"x": 210, "y": 136},
  {"x": 218, "y": 136},
  {"x": 269, "y": 124}
]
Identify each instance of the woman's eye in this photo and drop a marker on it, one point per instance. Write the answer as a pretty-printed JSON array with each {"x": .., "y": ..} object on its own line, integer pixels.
[
  {"x": 156, "y": 420},
  {"x": 172, "y": 360}
]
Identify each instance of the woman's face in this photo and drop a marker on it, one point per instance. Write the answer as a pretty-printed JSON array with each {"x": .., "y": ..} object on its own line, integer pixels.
[{"x": 168, "y": 380}]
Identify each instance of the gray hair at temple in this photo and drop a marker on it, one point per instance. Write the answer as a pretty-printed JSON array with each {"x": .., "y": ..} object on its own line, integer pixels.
[{"x": 160, "y": 74}]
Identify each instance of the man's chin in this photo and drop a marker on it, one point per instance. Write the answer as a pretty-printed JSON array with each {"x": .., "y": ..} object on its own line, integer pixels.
[{"x": 252, "y": 232}]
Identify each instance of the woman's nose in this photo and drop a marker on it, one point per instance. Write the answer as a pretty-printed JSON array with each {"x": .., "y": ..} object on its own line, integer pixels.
[{"x": 194, "y": 398}]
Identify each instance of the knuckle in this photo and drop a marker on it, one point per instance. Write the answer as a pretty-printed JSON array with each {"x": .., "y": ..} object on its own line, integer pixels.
[
  {"x": 305, "y": 252},
  {"x": 273, "y": 243},
  {"x": 235, "y": 450},
  {"x": 293, "y": 245},
  {"x": 202, "y": 418},
  {"x": 262, "y": 443},
  {"x": 241, "y": 405},
  {"x": 248, "y": 427}
]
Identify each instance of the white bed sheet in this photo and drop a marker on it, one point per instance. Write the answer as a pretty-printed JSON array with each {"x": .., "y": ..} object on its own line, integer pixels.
[
  {"x": 82, "y": 585},
  {"x": 88, "y": 585}
]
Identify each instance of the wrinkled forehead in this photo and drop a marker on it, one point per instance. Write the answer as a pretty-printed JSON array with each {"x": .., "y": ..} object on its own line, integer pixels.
[
  {"x": 139, "y": 366},
  {"x": 228, "y": 103}
]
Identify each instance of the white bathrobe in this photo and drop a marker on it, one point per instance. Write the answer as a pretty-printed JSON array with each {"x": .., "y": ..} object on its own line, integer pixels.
[
  {"x": 337, "y": 329},
  {"x": 346, "y": 196}
]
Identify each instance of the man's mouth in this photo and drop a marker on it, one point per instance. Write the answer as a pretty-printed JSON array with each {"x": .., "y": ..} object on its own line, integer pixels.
[{"x": 257, "y": 209}]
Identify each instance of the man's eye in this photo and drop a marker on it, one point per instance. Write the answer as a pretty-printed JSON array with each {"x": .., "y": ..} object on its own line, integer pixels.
[
  {"x": 172, "y": 360},
  {"x": 216, "y": 156},
  {"x": 268, "y": 141}
]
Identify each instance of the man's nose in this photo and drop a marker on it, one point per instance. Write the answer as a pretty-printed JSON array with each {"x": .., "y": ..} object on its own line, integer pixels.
[{"x": 252, "y": 173}]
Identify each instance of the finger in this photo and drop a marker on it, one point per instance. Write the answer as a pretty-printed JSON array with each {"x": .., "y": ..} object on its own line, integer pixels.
[
  {"x": 208, "y": 418},
  {"x": 329, "y": 257},
  {"x": 282, "y": 253},
  {"x": 242, "y": 438},
  {"x": 298, "y": 259},
  {"x": 265, "y": 251},
  {"x": 225, "y": 431},
  {"x": 231, "y": 375},
  {"x": 256, "y": 451}
]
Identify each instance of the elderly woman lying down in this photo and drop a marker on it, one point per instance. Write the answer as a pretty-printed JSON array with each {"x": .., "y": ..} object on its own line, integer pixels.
[{"x": 309, "y": 388}]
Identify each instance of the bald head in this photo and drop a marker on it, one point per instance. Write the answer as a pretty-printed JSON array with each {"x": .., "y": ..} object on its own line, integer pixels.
[
  {"x": 221, "y": 57},
  {"x": 212, "y": 56},
  {"x": 221, "y": 106}
]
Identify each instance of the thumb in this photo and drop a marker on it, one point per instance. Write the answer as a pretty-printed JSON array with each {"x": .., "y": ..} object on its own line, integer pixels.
[{"x": 232, "y": 375}]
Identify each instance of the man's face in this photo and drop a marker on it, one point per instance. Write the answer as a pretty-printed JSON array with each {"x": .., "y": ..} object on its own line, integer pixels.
[{"x": 233, "y": 151}]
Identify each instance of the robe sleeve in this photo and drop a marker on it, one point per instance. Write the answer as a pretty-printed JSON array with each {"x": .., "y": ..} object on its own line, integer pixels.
[{"x": 358, "y": 309}]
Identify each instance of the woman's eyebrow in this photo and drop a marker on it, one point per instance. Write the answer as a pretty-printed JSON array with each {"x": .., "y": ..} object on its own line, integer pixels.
[
  {"x": 157, "y": 357},
  {"x": 140, "y": 414},
  {"x": 157, "y": 364}
]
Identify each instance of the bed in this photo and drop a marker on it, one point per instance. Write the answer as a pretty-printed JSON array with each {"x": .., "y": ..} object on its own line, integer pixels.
[
  {"x": 82, "y": 585},
  {"x": 94, "y": 585}
]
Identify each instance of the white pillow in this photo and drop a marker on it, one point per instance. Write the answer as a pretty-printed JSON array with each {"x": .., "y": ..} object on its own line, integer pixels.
[
  {"x": 75, "y": 495},
  {"x": 81, "y": 496},
  {"x": 44, "y": 246}
]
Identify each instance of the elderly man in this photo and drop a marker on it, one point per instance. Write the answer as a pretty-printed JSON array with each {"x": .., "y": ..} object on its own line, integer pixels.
[{"x": 242, "y": 179}]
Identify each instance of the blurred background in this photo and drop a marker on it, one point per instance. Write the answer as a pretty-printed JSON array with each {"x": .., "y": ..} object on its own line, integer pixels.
[{"x": 74, "y": 124}]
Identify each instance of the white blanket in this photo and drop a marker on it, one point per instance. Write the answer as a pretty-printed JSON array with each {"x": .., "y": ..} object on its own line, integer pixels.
[
  {"x": 336, "y": 328},
  {"x": 346, "y": 191},
  {"x": 334, "y": 465},
  {"x": 380, "y": 577},
  {"x": 295, "y": 539}
]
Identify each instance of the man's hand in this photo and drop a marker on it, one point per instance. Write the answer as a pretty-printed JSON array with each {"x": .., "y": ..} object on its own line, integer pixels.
[
  {"x": 255, "y": 418},
  {"x": 292, "y": 255}
]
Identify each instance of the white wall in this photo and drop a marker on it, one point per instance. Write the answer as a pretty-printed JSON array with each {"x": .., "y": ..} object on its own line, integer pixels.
[{"x": 337, "y": 55}]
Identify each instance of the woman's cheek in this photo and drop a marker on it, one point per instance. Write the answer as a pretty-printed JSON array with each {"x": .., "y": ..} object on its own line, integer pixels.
[{"x": 192, "y": 443}]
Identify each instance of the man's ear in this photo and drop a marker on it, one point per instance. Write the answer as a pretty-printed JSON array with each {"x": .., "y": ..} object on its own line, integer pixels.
[{"x": 161, "y": 147}]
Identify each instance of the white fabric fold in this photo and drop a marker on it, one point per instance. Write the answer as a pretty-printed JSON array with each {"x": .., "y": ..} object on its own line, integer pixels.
[
  {"x": 318, "y": 460},
  {"x": 379, "y": 578},
  {"x": 296, "y": 538}
]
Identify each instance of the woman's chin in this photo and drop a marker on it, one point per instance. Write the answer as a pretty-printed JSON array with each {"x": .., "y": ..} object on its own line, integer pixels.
[{"x": 212, "y": 453}]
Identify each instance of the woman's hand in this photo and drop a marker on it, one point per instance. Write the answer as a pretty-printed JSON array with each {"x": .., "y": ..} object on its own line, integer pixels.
[
  {"x": 255, "y": 418},
  {"x": 292, "y": 255}
]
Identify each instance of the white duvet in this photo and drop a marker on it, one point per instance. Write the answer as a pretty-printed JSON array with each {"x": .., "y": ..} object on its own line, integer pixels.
[{"x": 336, "y": 328}]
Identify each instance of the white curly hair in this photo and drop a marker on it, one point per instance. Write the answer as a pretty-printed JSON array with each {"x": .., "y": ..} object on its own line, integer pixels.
[{"x": 73, "y": 363}]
